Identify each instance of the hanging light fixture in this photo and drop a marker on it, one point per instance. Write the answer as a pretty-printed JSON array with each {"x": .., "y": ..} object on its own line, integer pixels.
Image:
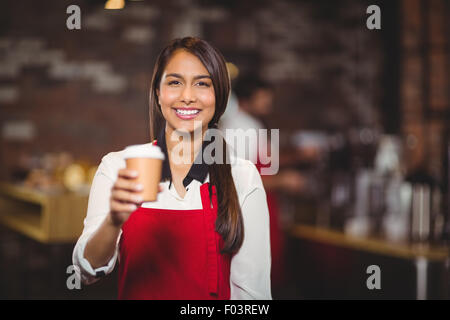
[{"x": 114, "y": 4}]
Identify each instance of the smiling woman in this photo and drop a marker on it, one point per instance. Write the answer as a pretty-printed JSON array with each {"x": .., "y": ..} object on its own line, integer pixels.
[
  {"x": 189, "y": 243},
  {"x": 191, "y": 74}
]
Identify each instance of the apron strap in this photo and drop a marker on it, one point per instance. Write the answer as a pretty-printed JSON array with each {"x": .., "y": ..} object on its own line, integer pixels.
[{"x": 210, "y": 214}]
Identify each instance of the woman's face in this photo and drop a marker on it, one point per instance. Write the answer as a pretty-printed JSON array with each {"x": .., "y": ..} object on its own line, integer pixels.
[{"x": 186, "y": 93}]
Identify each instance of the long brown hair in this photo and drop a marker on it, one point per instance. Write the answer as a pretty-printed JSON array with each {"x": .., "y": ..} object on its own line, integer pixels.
[{"x": 229, "y": 223}]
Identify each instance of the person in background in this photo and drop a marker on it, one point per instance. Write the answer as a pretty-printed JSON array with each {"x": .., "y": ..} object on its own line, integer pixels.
[{"x": 252, "y": 100}]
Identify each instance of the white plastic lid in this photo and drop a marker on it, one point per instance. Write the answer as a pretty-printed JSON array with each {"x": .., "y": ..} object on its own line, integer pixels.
[{"x": 143, "y": 151}]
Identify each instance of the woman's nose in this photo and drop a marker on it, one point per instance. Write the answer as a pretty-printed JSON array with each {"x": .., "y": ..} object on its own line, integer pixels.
[{"x": 188, "y": 95}]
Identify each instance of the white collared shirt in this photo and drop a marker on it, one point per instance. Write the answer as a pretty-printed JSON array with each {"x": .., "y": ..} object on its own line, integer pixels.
[{"x": 250, "y": 266}]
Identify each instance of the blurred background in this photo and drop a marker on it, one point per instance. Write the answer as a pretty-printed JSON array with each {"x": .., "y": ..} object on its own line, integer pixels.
[{"x": 364, "y": 133}]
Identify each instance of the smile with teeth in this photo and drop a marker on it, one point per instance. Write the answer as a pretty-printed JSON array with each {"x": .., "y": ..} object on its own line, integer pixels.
[{"x": 187, "y": 112}]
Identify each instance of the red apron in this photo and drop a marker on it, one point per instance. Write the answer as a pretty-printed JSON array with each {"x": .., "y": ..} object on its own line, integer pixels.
[{"x": 174, "y": 254}]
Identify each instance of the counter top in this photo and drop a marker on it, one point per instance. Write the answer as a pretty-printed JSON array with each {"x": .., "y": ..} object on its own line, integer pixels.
[
  {"x": 47, "y": 216},
  {"x": 369, "y": 244}
]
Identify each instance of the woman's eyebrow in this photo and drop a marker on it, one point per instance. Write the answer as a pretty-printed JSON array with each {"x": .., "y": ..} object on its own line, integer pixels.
[
  {"x": 177, "y": 75},
  {"x": 202, "y": 77}
]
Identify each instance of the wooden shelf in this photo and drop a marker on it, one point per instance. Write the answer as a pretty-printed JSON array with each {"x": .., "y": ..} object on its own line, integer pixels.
[
  {"x": 373, "y": 245},
  {"x": 48, "y": 217}
]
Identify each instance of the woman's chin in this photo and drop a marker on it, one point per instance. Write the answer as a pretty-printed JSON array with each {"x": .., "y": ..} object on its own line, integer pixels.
[{"x": 189, "y": 126}]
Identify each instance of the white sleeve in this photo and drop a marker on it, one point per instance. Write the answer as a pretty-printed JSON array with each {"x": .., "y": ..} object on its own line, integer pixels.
[
  {"x": 97, "y": 211},
  {"x": 250, "y": 266}
]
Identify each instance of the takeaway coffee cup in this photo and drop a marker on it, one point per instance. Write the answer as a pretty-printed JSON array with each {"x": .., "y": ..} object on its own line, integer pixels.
[{"x": 146, "y": 159}]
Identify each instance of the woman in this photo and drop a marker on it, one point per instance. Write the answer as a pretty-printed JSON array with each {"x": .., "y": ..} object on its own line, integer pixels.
[{"x": 207, "y": 234}]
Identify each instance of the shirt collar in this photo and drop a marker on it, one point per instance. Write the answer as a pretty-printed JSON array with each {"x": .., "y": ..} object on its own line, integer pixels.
[{"x": 198, "y": 171}]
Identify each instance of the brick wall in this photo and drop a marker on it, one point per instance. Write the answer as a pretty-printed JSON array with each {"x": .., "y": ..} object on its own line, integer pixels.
[
  {"x": 86, "y": 91},
  {"x": 424, "y": 82}
]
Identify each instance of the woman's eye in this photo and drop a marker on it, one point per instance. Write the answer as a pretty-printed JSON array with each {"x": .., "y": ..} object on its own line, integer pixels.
[
  {"x": 203, "y": 84},
  {"x": 174, "y": 82}
]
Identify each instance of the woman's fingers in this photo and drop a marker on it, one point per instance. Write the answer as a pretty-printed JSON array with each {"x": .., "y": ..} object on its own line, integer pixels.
[
  {"x": 128, "y": 185},
  {"x": 123, "y": 195},
  {"x": 128, "y": 173},
  {"x": 125, "y": 198},
  {"x": 126, "y": 194},
  {"x": 124, "y": 181}
]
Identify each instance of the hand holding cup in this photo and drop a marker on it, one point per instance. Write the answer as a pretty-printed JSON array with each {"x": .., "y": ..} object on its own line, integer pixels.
[{"x": 137, "y": 183}]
